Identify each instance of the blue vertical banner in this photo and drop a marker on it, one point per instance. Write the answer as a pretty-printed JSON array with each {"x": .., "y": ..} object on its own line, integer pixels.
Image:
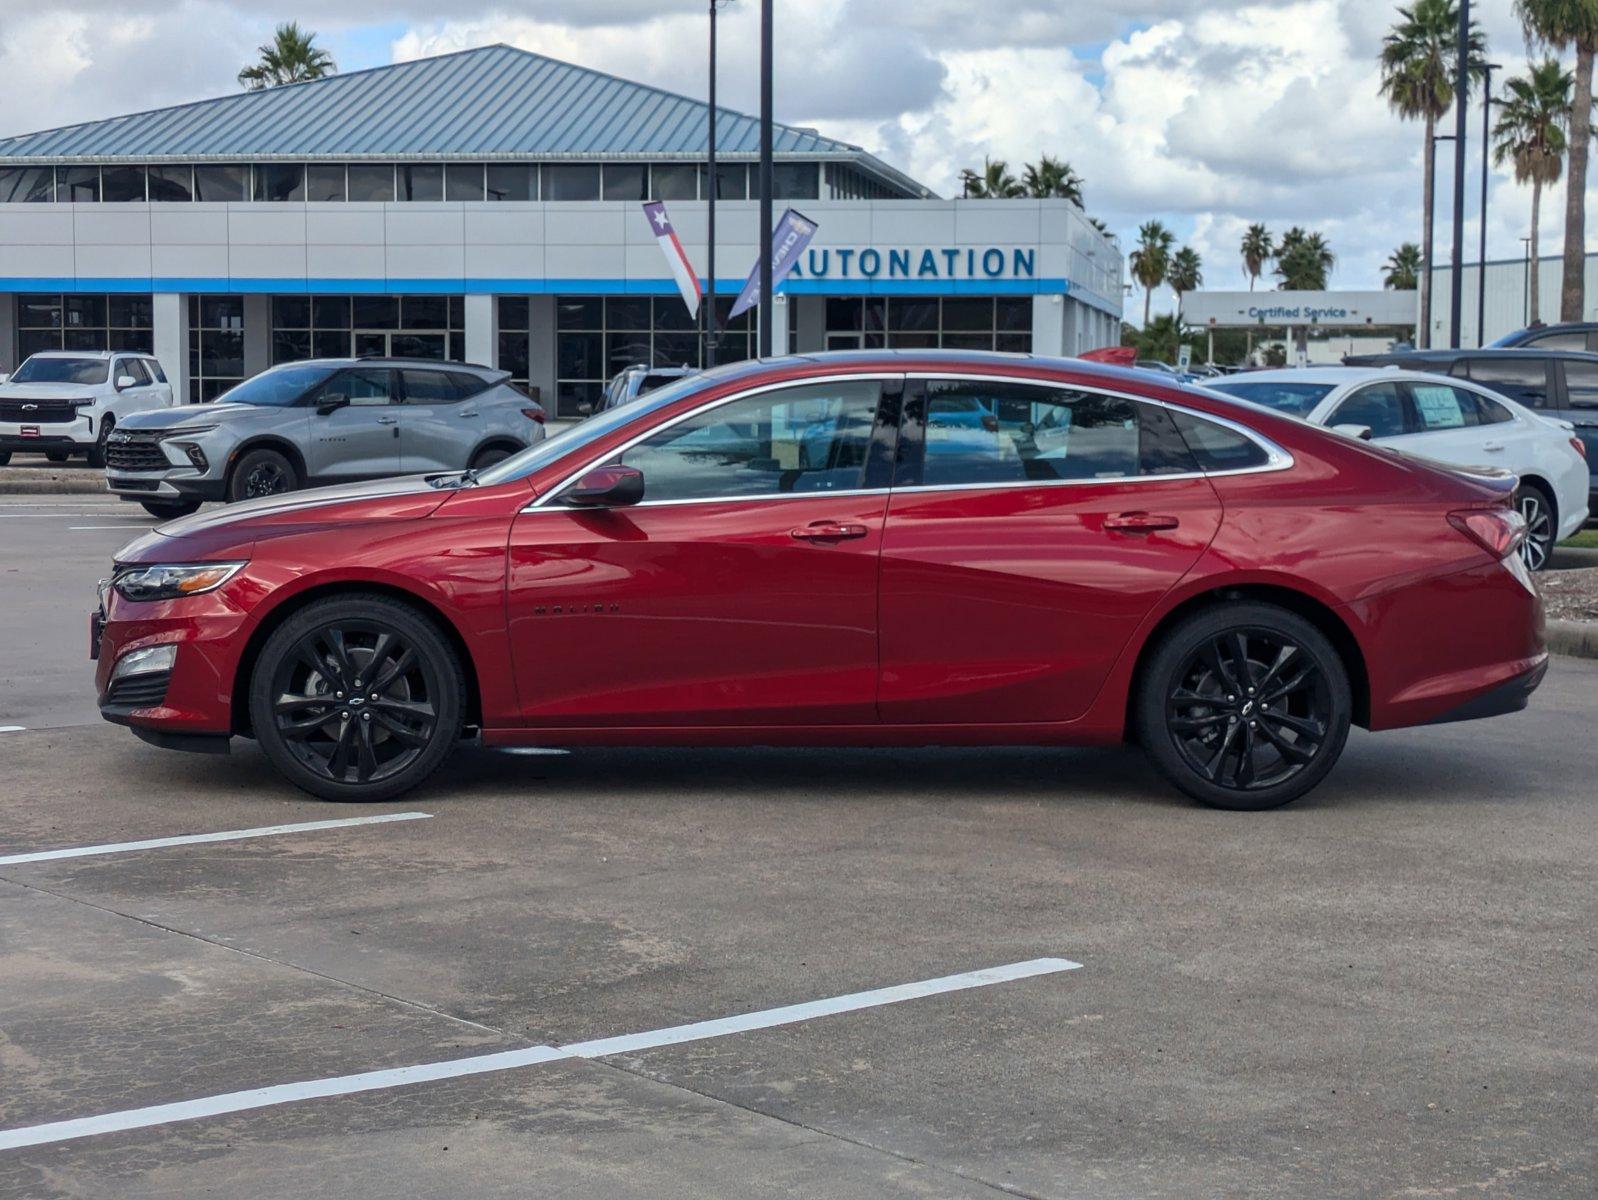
[{"x": 788, "y": 242}]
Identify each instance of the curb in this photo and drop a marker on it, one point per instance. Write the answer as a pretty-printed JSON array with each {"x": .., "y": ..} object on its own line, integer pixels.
[
  {"x": 1577, "y": 639},
  {"x": 53, "y": 486}
]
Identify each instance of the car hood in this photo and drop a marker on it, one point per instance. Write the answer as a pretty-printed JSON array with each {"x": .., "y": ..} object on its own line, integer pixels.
[
  {"x": 46, "y": 391},
  {"x": 232, "y": 529},
  {"x": 188, "y": 415}
]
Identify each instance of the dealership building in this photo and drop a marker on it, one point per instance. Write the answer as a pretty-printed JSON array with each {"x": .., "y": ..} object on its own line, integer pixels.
[{"x": 487, "y": 206}]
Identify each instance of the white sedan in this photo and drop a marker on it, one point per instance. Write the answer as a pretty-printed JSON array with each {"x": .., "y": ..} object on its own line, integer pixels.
[{"x": 1451, "y": 420}]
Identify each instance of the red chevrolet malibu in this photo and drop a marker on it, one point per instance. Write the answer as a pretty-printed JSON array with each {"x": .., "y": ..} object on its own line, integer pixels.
[{"x": 867, "y": 549}]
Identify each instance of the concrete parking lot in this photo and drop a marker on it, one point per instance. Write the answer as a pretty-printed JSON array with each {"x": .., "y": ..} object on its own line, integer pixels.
[{"x": 1387, "y": 989}]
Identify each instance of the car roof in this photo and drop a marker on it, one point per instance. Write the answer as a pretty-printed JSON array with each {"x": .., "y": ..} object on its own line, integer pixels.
[
  {"x": 1449, "y": 356},
  {"x": 106, "y": 354},
  {"x": 435, "y": 364},
  {"x": 1332, "y": 375}
]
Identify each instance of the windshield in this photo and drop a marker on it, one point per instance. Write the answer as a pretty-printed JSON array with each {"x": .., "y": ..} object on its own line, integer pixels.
[
  {"x": 541, "y": 454},
  {"x": 1296, "y": 399},
  {"x": 278, "y": 388},
  {"x": 62, "y": 370}
]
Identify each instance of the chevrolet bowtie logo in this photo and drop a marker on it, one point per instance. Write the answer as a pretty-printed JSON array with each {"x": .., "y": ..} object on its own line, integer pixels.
[{"x": 30, "y": 408}]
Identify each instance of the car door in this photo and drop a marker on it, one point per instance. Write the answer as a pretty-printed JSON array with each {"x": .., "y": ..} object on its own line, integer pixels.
[
  {"x": 1580, "y": 408},
  {"x": 141, "y": 394},
  {"x": 1448, "y": 426},
  {"x": 741, "y": 591},
  {"x": 439, "y": 425},
  {"x": 354, "y": 432},
  {"x": 1031, "y": 529}
]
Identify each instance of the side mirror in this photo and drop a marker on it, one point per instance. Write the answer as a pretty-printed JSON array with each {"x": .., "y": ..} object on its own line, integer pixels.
[
  {"x": 124, "y": 382},
  {"x": 606, "y": 487},
  {"x": 5, "y": 376},
  {"x": 1362, "y": 432},
  {"x": 331, "y": 404},
  {"x": 585, "y": 409}
]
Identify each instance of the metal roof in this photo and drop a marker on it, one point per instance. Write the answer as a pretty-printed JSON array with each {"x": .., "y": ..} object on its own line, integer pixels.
[{"x": 493, "y": 101}]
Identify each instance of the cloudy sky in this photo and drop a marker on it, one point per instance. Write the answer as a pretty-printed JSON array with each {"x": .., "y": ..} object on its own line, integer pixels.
[{"x": 1208, "y": 114}]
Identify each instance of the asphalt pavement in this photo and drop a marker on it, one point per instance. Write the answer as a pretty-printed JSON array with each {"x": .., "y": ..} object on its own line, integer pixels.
[{"x": 1386, "y": 989}]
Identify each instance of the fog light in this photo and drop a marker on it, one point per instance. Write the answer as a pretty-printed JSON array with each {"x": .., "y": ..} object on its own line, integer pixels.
[
  {"x": 195, "y": 455},
  {"x": 151, "y": 660}
]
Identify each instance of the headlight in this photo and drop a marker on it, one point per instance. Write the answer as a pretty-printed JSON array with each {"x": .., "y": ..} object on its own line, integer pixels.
[
  {"x": 170, "y": 581},
  {"x": 186, "y": 431},
  {"x": 81, "y": 401},
  {"x": 152, "y": 660}
]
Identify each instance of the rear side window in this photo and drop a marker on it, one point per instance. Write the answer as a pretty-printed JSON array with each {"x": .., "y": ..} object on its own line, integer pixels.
[
  {"x": 1217, "y": 448},
  {"x": 1014, "y": 433},
  {"x": 429, "y": 387},
  {"x": 1525, "y": 381},
  {"x": 1441, "y": 407},
  {"x": 467, "y": 384},
  {"x": 1581, "y": 384},
  {"x": 1568, "y": 340}
]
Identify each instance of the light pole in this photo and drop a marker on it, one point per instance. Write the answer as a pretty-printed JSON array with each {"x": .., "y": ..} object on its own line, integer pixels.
[
  {"x": 712, "y": 319},
  {"x": 1486, "y": 154},
  {"x": 1525, "y": 280},
  {"x": 1426, "y": 252},
  {"x": 1456, "y": 269},
  {"x": 764, "y": 231}
]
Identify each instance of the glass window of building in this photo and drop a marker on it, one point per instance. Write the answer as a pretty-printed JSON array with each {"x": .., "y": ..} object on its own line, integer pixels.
[
  {"x": 172, "y": 184},
  {"x": 27, "y": 185},
  {"x": 83, "y": 322},
  {"x": 674, "y": 181},
  {"x": 216, "y": 346},
  {"x": 385, "y": 326},
  {"x": 371, "y": 182},
  {"x": 512, "y": 181},
  {"x": 122, "y": 185},
  {"x": 463, "y": 181},
  {"x": 324, "y": 182},
  {"x": 421, "y": 181},
  {"x": 626, "y": 181},
  {"x": 77, "y": 185},
  {"x": 221, "y": 184},
  {"x": 571, "y": 181},
  {"x": 795, "y": 181},
  {"x": 732, "y": 181},
  {"x": 954, "y": 322},
  {"x": 283, "y": 182}
]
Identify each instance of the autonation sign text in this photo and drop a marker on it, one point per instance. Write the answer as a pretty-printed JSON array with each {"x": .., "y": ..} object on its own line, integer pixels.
[{"x": 952, "y": 262}]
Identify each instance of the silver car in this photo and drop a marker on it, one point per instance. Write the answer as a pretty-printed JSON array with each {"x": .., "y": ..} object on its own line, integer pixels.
[{"x": 323, "y": 421}]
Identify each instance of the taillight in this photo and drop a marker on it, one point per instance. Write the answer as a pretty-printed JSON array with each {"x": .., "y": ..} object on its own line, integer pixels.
[
  {"x": 1579, "y": 446},
  {"x": 1499, "y": 531},
  {"x": 534, "y": 413}
]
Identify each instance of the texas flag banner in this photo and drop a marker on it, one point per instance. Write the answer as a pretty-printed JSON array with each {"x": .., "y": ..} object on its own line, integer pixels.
[
  {"x": 676, "y": 257},
  {"x": 788, "y": 242}
]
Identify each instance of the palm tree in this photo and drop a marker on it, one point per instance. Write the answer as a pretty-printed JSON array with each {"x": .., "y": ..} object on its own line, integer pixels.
[
  {"x": 1531, "y": 134},
  {"x": 1418, "y": 59},
  {"x": 1185, "y": 274},
  {"x": 1304, "y": 261},
  {"x": 292, "y": 56},
  {"x": 1049, "y": 177},
  {"x": 1257, "y": 249},
  {"x": 1151, "y": 260},
  {"x": 1099, "y": 225},
  {"x": 994, "y": 183},
  {"x": 1402, "y": 270},
  {"x": 1560, "y": 24}
]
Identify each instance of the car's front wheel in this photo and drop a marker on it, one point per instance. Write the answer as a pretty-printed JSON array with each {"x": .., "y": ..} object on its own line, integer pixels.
[
  {"x": 1538, "y": 509},
  {"x": 97, "y": 453},
  {"x": 357, "y": 698},
  {"x": 484, "y": 459},
  {"x": 1244, "y": 706},
  {"x": 261, "y": 473},
  {"x": 171, "y": 510}
]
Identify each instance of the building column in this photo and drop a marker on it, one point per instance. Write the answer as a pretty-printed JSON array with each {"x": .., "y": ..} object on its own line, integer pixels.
[
  {"x": 1048, "y": 325},
  {"x": 170, "y": 321},
  {"x": 8, "y": 334},
  {"x": 541, "y": 351},
  {"x": 810, "y": 318},
  {"x": 482, "y": 329},
  {"x": 257, "y": 334}
]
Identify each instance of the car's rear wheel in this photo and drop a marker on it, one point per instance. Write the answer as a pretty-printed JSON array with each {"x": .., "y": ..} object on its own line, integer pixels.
[
  {"x": 357, "y": 698},
  {"x": 1244, "y": 706},
  {"x": 170, "y": 512},
  {"x": 484, "y": 459},
  {"x": 262, "y": 473},
  {"x": 1541, "y": 525},
  {"x": 5, "y": 457},
  {"x": 97, "y": 454},
  {"x": 56, "y": 456}
]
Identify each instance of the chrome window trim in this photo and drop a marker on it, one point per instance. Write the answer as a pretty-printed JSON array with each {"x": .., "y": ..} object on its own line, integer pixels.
[{"x": 1277, "y": 458}]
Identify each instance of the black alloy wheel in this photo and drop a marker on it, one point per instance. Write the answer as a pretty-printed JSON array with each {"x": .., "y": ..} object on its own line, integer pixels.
[
  {"x": 262, "y": 473},
  {"x": 97, "y": 455},
  {"x": 1538, "y": 545},
  {"x": 1245, "y": 706},
  {"x": 357, "y": 698}
]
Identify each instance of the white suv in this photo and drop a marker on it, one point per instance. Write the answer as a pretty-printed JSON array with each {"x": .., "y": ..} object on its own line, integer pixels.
[{"x": 64, "y": 402}]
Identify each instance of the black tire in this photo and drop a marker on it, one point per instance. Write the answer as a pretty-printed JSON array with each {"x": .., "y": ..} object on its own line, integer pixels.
[
  {"x": 1201, "y": 723},
  {"x": 5, "y": 457},
  {"x": 260, "y": 473},
  {"x": 335, "y": 741},
  {"x": 484, "y": 459},
  {"x": 171, "y": 511},
  {"x": 1542, "y": 525},
  {"x": 97, "y": 454},
  {"x": 57, "y": 456}
]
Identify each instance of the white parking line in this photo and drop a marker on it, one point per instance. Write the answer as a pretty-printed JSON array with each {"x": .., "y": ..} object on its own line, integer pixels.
[
  {"x": 74, "y": 528},
  {"x": 230, "y": 835},
  {"x": 12, "y": 728},
  {"x": 366, "y": 1081}
]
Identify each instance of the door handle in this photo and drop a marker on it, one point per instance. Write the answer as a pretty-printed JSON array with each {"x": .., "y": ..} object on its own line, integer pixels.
[
  {"x": 829, "y": 531},
  {"x": 388, "y": 420},
  {"x": 1493, "y": 446},
  {"x": 1139, "y": 522},
  {"x": 470, "y": 413}
]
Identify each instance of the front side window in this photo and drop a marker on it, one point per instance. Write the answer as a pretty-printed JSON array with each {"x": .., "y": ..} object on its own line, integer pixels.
[
  {"x": 367, "y": 388},
  {"x": 1525, "y": 380},
  {"x": 39, "y": 369},
  {"x": 134, "y": 370},
  {"x": 998, "y": 433},
  {"x": 1380, "y": 408},
  {"x": 812, "y": 438},
  {"x": 278, "y": 387}
]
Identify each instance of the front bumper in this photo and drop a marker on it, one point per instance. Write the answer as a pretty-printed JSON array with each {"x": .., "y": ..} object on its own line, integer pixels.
[
  {"x": 165, "y": 485},
  {"x": 40, "y": 437}
]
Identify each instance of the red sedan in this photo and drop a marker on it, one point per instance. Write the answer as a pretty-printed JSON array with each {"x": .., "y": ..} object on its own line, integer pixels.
[{"x": 865, "y": 549}]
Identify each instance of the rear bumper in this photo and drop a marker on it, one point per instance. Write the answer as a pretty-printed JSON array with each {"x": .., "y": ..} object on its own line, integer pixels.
[{"x": 1510, "y": 696}]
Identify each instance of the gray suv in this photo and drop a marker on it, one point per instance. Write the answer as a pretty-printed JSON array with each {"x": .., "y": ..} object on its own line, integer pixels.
[{"x": 323, "y": 421}]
